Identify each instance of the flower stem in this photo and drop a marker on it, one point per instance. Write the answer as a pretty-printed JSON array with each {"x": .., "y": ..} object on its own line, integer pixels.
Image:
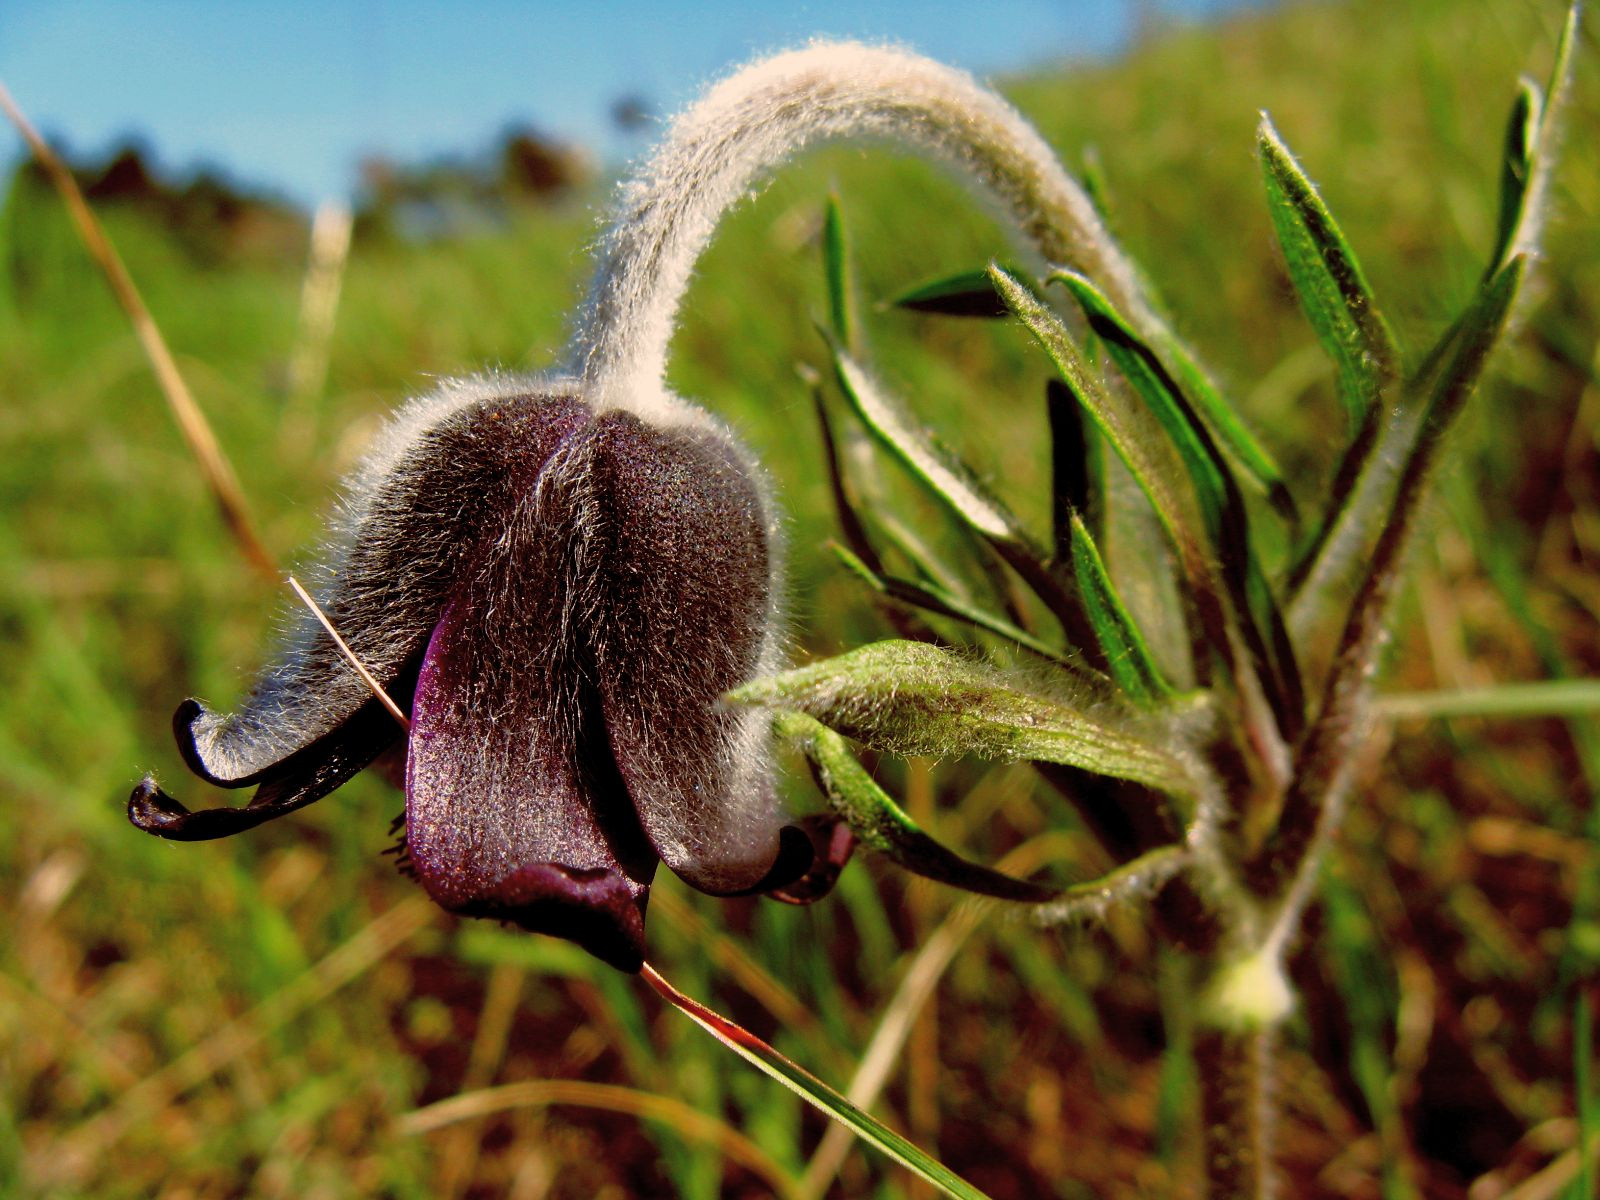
[{"x": 1235, "y": 1091}]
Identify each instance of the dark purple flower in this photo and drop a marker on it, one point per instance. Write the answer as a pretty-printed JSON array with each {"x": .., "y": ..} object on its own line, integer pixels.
[{"x": 559, "y": 595}]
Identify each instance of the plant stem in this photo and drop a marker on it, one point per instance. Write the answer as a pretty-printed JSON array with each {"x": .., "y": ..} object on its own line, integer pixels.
[{"x": 1234, "y": 1092}]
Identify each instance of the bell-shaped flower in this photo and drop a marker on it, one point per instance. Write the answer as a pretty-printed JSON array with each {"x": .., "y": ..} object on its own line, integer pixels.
[{"x": 559, "y": 594}]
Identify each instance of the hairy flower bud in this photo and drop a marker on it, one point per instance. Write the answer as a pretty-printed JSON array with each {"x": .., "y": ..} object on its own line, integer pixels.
[{"x": 559, "y": 595}]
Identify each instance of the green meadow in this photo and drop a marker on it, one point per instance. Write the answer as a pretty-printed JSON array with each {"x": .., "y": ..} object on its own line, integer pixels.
[{"x": 275, "y": 1014}]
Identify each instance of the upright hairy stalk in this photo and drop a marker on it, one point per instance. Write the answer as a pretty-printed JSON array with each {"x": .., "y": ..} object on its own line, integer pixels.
[{"x": 753, "y": 122}]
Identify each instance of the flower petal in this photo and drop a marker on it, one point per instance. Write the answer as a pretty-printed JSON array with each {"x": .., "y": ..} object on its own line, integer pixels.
[
  {"x": 513, "y": 808},
  {"x": 681, "y": 546},
  {"x": 299, "y": 780},
  {"x": 408, "y": 529}
]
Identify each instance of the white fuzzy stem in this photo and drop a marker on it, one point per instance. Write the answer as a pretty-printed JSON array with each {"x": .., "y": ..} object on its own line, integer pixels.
[{"x": 749, "y": 124}]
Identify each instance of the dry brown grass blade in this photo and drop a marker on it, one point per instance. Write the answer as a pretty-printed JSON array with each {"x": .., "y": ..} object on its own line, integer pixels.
[
  {"x": 356, "y": 664},
  {"x": 192, "y": 424},
  {"x": 688, "y": 1122},
  {"x": 90, "y": 1142}
]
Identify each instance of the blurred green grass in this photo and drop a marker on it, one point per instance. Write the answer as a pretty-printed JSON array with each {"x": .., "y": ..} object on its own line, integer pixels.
[{"x": 1435, "y": 1044}]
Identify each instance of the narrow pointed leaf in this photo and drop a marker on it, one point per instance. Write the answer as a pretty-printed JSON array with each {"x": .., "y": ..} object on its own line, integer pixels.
[
  {"x": 836, "y": 268},
  {"x": 844, "y": 502},
  {"x": 930, "y": 597},
  {"x": 910, "y": 698},
  {"x": 1149, "y": 462},
  {"x": 1480, "y": 330},
  {"x": 1516, "y": 166},
  {"x": 935, "y": 466},
  {"x": 964, "y": 294},
  {"x": 1235, "y": 435},
  {"x": 1071, "y": 464},
  {"x": 883, "y": 826},
  {"x": 1541, "y": 157},
  {"x": 1166, "y": 402},
  {"x": 813, "y": 1091},
  {"x": 1221, "y": 504},
  {"x": 951, "y": 482},
  {"x": 1113, "y": 418},
  {"x": 1127, "y": 654},
  {"x": 1328, "y": 280}
]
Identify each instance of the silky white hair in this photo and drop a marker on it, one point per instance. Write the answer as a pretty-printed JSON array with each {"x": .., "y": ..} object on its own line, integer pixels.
[{"x": 752, "y": 122}]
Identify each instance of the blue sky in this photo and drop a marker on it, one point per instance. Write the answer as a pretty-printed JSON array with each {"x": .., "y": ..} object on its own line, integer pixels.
[{"x": 293, "y": 93}]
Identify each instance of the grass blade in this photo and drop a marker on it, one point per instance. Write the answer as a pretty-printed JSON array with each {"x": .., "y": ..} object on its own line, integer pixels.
[
  {"x": 812, "y": 1090},
  {"x": 669, "y": 1111},
  {"x": 836, "y": 269},
  {"x": 1327, "y": 278},
  {"x": 1547, "y": 698}
]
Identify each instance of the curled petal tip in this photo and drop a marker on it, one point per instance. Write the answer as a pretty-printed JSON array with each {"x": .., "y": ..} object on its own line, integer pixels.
[
  {"x": 829, "y": 845},
  {"x": 152, "y": 810}
]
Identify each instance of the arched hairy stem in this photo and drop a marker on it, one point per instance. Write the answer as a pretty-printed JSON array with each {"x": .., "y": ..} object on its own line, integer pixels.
[{"x": 753, "y": 121}]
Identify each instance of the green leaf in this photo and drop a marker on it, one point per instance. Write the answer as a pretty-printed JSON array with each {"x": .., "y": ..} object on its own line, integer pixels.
[
  {"x": 910, "y": 698},
  {"x": 844, "y": 502},
  {"x": 883, "y": 826},
  {"x": 953, "y": 483},
  {"x": 1127, "y": 654},
  {"x": 1148, "y": 461},
  {"x": 836, "y": 268},
  {"x": 1072, "y": 481},
  {"x": 813, "y": 1091},
  {"x": 1530, "y": 153},
  {"x": 944, "y": 475},
  {"x": 1221, "y": 504},
  {"x": 1516, "y": 166},
  {"x": 931, "y": 597},
  {"x": 1112, "y": 416},
  {"x": 1477, "y": 335},
  {"x": 1235, "y": 435},
  {"x": 1327, "y": 278},
  {"x": 964, "y": 294},
  {"x": 1165, "y": 400}
]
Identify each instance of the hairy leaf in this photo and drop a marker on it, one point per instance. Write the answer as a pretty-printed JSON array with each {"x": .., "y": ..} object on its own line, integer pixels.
[
  {"x": 964, "y": 294},
  {"x": 911, "y": 698},
  {"x": 1328, "y": 280},
  {"x": 883, "y": 826},
  {"x": 950, "y": 481},
  {"x": 931, "y": 597},
  {"x": 1127, "y": 654},
  {"x": 1221, "y": 505}
]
